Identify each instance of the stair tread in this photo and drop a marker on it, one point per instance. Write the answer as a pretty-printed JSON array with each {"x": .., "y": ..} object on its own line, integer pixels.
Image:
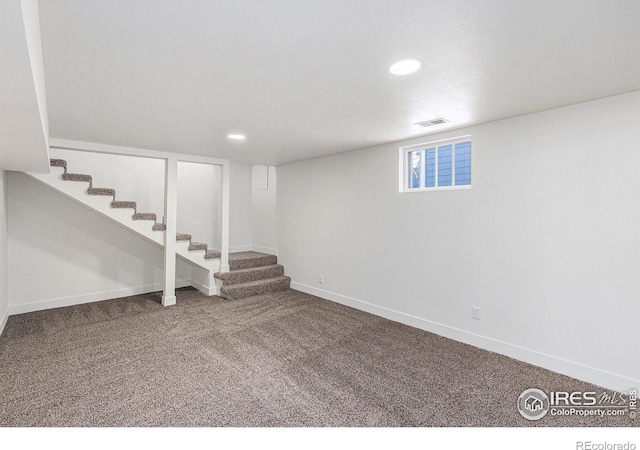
[
  {"x": 197, "y": 246},
  {"x": 211, "y": 254},
  {"x": 58, "y": 163},
  {"x": 144, "y": 216},
  {"x": 77, "y": 177},
  {"x": 250, "y": 270},
  {"x": 258, "y": 287},
  {"x": 246, "y": 260},
  {"x": 183, "y": 237},
  {"x": 101, "y": 191},
  {"x": 252, "y": 274},
  {"x": 236, "y": 256},
  {"x": 259, "y": 282},
  {"x": 123, "y": 204}
]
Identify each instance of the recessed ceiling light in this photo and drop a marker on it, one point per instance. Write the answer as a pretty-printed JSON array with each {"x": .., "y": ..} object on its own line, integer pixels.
[
  {"x": 236, "y": 137},
  {"x": 405, "y": 67}
]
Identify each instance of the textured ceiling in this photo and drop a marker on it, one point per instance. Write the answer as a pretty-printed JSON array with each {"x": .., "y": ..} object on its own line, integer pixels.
[{"x": 308, "y": 78}]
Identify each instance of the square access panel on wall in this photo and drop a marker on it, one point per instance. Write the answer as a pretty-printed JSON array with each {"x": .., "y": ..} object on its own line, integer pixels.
[{"x": 260, "y": 177}]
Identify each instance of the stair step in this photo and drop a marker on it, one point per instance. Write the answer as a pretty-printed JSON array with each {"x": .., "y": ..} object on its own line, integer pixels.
[
  {"x": 101, "y": 191},
  {"x": 77, "y": 177},
  {"x": 58, "y": 163},
  {"x": 144, "y": 216},
  {"x": 247, "y": 260},
  {"x": 251, "y": 259},
  {"x": 252, "y": 288},
  {"x": 212, "y": 254},
  {"x": 252, "y": 274},
  {"x": 121, "y": 204},
  {"x": 198, "y": 246}
]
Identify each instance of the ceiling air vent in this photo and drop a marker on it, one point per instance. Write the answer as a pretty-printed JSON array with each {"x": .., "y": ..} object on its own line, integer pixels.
[{"x": 432, "y": 122}]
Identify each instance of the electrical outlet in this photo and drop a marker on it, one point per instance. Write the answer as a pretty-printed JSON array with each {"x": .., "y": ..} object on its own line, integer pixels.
[
  {"x": 321, "y": 279},
  {"x": 475, "y": 312}
]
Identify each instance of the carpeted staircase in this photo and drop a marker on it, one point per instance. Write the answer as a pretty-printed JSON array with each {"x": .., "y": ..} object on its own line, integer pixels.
[
  {"x": 252, "y": 273},
  {"x": 67, "y": 176}
]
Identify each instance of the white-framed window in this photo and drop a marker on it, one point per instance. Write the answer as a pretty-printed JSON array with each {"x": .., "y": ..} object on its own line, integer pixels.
[{"x": 444, "y": 164}]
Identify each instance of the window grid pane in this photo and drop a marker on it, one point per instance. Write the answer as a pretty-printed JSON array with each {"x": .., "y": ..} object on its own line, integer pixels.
[
  {"x": 463, "y": 163},
  {"x": 444, "y": 165},
  {"x": 430, "y": 167},
  {"x": 414, "y": 169}
]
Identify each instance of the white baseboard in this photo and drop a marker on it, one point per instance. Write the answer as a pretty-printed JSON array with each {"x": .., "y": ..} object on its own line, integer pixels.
[
  {"x": 267, "y": 250},
  {"x": 572, "y": 369},
  {"x": 3, "y": 320},
  {"x": 240, "y": 248},
  {"x": 89, "y": 298},
  {"x": 206, "y": 290},
  {"x": 253, "y": 248},
  {"x": 168, "y": 301}
]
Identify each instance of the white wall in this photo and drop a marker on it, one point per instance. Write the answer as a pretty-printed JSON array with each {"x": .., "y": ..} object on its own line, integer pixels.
[
  {"x": 4, "y": 302},
  {"x": 264, "y": 214},
  {"x": 240, "y": 208},
  {"x": 62, "y": 253},
  {"x": 546, "y": 242},
  {"x": 31, "y": 18},
  {"x": 198, "y": 202},
  {"x": 24, "y": 125}
]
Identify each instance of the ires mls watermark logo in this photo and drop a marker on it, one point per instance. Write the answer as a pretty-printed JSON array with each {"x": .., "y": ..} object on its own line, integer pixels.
[
  {"x": 534, "y": 404},
  {"x": 588, "y": 445}
]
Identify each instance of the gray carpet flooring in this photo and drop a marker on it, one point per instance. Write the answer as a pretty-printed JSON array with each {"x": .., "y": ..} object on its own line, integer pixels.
[{"x": 281, "y": 359}]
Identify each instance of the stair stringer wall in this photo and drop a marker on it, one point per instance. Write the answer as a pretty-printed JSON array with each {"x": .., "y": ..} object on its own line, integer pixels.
[
  {"x": 62, "y": 253},
  {"x": 202, "y": 277}
]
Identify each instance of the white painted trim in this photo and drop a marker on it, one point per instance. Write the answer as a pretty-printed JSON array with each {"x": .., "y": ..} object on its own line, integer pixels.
[
  {"x": 454, "y": 140},
  {"x": 253, "y": 248},
  {"x": 437, "y": 188},
  {"x": 573, "y": 369},
  {"x": 224, "y": 218},
  {"x": 268, "y": 250},
  {"x": 170, "y": 214},
  {"x": 90, "y": 298},
  {"x": 204, "y": 281},
  {"x": 168, "y": 300},
  {"x": 3, "y": 321},
  {"x": 206, "y": 290}
]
